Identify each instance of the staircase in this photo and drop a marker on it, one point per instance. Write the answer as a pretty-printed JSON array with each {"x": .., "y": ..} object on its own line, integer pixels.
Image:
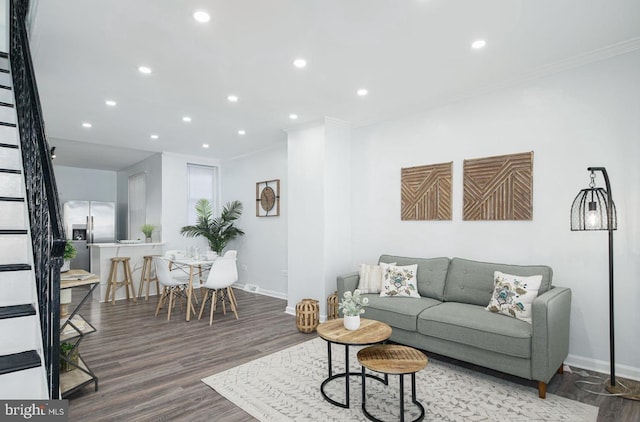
[
  {"x": 22, "y": 371},
  {"x": 31, "y": 232}
]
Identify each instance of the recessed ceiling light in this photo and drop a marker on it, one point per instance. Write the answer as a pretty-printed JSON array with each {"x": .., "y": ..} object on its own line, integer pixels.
[
  {"x": 478, "y": 44},
  {"x": 144, "y": 70},
  {"x": 110, "y": 103},
  {"x": 154, "y": 137},
  {"x": 242, "y": 132},
  {"x": 186, "y": 119},
  {"x": 233, "y": 98},
  {"x": 293, "y": 116},
  {"x": 86, "y": 124},
  {"x": 205, "y": 145},
  {"x": 362, "y": 92},
  {"x": 300, "y": 63},
  {"x": 201, "y": 16}
]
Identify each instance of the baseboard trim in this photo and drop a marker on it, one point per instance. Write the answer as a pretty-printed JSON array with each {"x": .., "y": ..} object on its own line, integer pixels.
[
  {"x": 292, "y": 311},
  {"x": 623, "y": 371},
  {"x": 264, "y": 292}
]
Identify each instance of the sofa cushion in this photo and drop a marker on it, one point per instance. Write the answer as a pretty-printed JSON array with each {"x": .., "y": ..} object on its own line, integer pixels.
[
  {"x": 474, "y": 326},
  {"x": 514, "y": 295},
  {"x": 400, "y": 281},
  {"x": 472, "y": 281},
  {"x": 399, "y": 312},
  {"x": 372, "y": 277},
  {"x": 431, "y": 275}
]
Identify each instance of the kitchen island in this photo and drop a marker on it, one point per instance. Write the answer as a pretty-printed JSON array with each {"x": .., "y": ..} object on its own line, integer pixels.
[{"x": 101, "y": 254}]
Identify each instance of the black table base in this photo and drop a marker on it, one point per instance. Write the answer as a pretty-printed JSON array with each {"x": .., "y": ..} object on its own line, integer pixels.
[
  {"x": 346, "y": 375},
  {"x": 413, "y": 398}
]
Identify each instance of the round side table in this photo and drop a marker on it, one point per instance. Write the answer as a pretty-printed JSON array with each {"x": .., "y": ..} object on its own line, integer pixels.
[{"x": 392, "y": 359}]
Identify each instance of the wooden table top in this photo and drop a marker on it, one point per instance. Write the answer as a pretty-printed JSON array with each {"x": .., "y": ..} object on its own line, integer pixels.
[
  {"x": 392, "y": 359},
  {"x": 76, "y": 278},
  {"x": 370, "y": 331}
]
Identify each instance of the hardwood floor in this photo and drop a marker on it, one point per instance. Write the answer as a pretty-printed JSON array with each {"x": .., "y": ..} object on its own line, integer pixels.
[{"x": 149, "y": 368}]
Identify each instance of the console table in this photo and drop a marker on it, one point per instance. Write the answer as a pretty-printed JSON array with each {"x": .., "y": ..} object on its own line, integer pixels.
[{"x": 73, "y": 329}]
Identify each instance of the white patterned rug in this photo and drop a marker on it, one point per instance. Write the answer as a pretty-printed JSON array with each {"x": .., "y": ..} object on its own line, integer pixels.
[{"x": 285, "y": 386}]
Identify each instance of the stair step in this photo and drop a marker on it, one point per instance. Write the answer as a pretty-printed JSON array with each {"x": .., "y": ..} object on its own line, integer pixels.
[
  {"x": 14, "y": 247},
  {"x": 19, "y": 361},
  {"x": 11, "y": 199},
  {"x": 4, "y": 71},
  {"x": 13, "y": 215},
  {"x": 12, "y": 231},
  {"x": 8, "y": 124},
  {"x": 6, "y": 104},
  {"x": 7, "y": 96},
  {"x": 13, "y": 146},
  {"x": 8, "y": 88},
  {"x": 16, "y": 311},
  {"x": 11, "y": 185},
  {"x": 18, "y": 287},
  {"x": 12, "y": 171},
  {"x": 15, "y": 267},
  {"x": 8, "y": 135}
]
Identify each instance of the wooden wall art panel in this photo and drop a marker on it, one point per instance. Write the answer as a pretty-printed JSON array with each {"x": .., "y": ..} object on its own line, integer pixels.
[
  {"x": 426, "y": 192},
  {"x": 499, "y": 188}
]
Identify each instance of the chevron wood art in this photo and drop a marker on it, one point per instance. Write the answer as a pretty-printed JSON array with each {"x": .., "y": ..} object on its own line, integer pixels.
[
  {"x": 499, "y": 188},
  {"x": 426, "y": 192}
]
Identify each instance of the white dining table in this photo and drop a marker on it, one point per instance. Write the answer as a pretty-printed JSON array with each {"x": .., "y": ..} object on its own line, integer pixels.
[{"x": 194, "y": 265}]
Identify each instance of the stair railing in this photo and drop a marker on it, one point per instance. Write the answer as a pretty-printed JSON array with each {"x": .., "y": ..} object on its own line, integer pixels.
[{"x": 47, "y": 230}]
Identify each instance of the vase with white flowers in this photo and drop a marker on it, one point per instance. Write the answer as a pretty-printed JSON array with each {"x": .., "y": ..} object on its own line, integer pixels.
[{"x": 352, "y": 306}]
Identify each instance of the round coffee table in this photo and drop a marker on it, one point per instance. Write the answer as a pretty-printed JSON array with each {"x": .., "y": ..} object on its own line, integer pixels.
[
  {"x": 370, "y": 332},
  {"x": 397, "y": 360}
]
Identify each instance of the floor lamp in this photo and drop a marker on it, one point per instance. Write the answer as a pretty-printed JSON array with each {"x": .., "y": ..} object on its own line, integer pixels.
[{"x": 593, "y": 209}]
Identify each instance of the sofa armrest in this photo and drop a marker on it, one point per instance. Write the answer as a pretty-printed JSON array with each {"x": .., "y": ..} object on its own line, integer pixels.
[
  {"x": 550, "y": 343},
  {"x": 347, "y": 282}
]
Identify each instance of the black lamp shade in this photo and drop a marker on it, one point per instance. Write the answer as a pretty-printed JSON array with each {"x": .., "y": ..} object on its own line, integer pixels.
[{"x": 590, "y": 212}]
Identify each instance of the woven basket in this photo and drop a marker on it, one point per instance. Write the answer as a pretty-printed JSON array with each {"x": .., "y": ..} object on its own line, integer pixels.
[
  {"x": 332, "y": 306},
  {"x": 307, "y": 315}
]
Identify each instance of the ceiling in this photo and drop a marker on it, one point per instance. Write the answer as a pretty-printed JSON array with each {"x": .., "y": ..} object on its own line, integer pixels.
[{"x": 410, "y": 55}]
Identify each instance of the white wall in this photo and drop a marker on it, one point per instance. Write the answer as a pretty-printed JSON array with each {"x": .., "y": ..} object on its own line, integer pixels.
[
  {"x": 583, "y": 117},
  {"x": 85, "y": 184},
  {"x": 174, "y": 199},
  {"x": 262, "y": 251},
  {"x": 152, "y": 168}
]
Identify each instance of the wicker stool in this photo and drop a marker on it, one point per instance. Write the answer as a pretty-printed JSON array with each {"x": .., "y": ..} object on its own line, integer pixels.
[
  {"x": 307, "y": 315},
  {"x": 146, "y": 278},
  {"x": 113, "y": 283}
]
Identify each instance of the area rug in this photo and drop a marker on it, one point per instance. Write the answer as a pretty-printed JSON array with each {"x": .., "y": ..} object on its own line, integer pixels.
[{"x": 285, "y": 386}]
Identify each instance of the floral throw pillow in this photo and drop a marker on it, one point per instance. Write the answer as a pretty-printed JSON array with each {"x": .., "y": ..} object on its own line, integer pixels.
[
  {"x": 371, "y": 277},
  {"x": 514, "y": 295},
  {"x": 400, "y": 281}
]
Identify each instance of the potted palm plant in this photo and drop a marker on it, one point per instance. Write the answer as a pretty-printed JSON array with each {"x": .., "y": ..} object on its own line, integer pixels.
[{"x": 218, "y": 231}]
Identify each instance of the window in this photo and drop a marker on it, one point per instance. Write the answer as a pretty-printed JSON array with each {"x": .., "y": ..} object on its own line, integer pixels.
[
  {"x": 137, "y": 204},
  {"x": 202, "y": 183}
]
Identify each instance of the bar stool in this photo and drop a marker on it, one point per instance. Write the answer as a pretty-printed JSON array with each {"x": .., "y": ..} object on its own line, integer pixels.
[
  {"x": 145, "y": 276},
  {"x": 113, "y": 283}
]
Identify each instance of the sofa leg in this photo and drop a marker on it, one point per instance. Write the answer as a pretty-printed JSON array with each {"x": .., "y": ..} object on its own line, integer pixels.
[
  {"x": 542, "y": 389},
  {"x": 561, "y": 369}
]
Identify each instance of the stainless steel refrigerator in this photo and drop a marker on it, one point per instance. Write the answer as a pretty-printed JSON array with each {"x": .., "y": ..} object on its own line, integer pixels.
[{"x": 87, "y": 222}]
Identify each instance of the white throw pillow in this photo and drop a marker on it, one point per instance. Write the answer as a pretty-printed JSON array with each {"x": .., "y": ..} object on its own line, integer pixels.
[
  {"x": 371, "y": 277},
  {"x": 400, "y": 281},
  {"x": 514, "y": 295}
]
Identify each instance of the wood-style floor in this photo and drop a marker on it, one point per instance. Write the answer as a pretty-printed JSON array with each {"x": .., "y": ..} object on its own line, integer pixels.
[{"x": 150, "y": 369}]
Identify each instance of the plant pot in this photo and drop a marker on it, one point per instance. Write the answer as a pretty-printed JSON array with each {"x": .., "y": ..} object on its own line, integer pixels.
[
  {"x": 351, "y": 322},
  {"x": 66, "y": 366},
  {"x": 147, "y": 240},
  {"x": 66, "y": 266}
]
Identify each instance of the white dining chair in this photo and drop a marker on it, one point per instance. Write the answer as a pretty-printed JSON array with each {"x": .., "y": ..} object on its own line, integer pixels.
[
  {"x": 222, "y": 275},
  {"x": 173, "y": 286},
  {"x": 232, "y": 254}
]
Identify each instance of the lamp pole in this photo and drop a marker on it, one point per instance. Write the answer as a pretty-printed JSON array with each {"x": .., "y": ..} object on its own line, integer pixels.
[{"x": 612, "y": 352}]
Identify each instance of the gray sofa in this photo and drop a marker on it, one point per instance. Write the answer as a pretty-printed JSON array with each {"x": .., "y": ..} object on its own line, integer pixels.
[{"x": 450, "y": 317}]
